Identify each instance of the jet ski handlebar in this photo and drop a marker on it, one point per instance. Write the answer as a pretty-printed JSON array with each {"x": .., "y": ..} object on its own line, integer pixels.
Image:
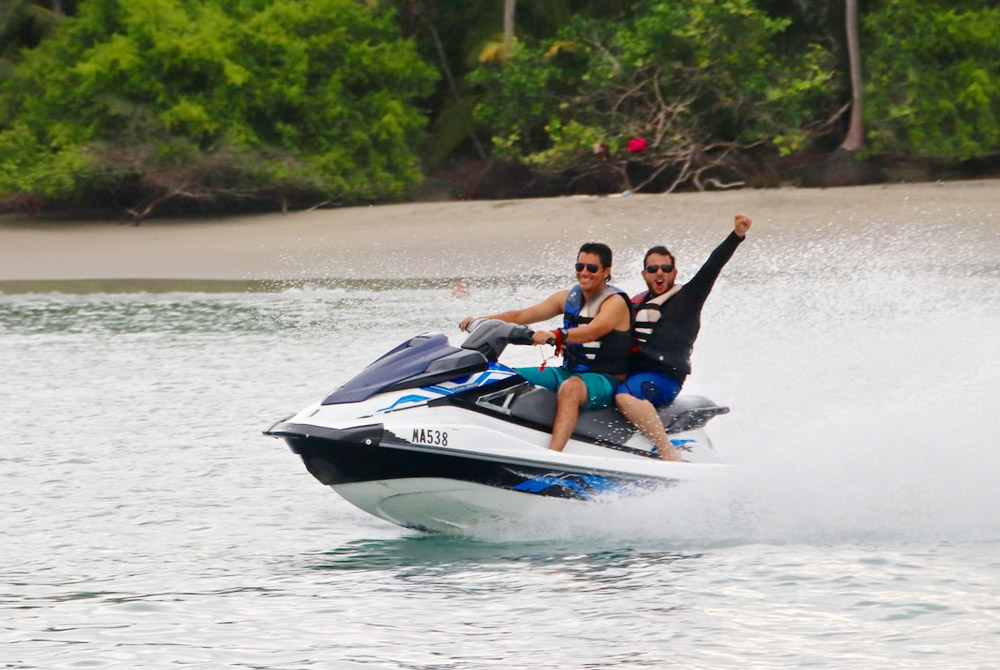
[{"x": 491, "y": 336}]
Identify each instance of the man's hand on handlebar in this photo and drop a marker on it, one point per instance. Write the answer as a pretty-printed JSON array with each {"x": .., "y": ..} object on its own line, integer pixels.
[{"x": 543, "y": 337}]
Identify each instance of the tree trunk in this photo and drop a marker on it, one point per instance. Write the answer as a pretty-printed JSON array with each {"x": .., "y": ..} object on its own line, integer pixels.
[
  {"x": 452, "y": 86},
  {"x": 508, "y": 20},
  {"x": 855, "y": 138}
]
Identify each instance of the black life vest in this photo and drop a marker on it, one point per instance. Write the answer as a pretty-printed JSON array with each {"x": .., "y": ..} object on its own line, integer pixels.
[
  {"x": 608, "y": 354},
  {"x": 663, "y": 345}
]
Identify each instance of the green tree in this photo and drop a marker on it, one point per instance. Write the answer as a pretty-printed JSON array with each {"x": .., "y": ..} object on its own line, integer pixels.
[
  {"x": 456, "y": 35},
  {"x": 149, "y": 101},
  {"x": 23, "y": 25},
  {"x": 933, "y": 78},
  {"x": 702, "y": 82}
]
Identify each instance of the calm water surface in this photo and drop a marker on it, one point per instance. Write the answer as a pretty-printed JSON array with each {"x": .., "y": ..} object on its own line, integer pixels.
[{"x": 148, "y": 523}]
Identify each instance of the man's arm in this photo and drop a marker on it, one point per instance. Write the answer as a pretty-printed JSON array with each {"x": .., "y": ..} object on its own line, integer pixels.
[
  {"x": 548, "y": 308},
  {"x": 614, "y": 314},
  {"x": 705, "y": 278}
]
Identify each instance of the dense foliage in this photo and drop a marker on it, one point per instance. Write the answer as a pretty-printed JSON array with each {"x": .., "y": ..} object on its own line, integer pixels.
[
  {"x": 149, "y": 100},
  {"x": 933, "y": 78},
  {"x": 133, "y": 103},
  {"x": 697, "y": 82}
]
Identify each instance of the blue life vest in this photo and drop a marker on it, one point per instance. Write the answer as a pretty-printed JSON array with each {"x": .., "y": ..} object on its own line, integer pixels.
[{"x": 609, "y": 354}]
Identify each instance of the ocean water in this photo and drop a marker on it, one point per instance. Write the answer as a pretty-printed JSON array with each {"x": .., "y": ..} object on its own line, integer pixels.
[{"x": 147, "y": 523}]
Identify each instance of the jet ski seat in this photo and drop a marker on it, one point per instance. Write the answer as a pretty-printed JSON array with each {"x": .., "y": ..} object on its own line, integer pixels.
[{"x": 608, "y": 426}]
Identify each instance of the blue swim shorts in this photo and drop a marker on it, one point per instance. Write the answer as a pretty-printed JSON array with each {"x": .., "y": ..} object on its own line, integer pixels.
[
  {"x": 657, "y": 388},
  {"x": 600, "y": 387}
]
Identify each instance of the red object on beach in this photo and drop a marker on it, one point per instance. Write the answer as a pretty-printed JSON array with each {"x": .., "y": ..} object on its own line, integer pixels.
[{"x": 637, "y": 144}]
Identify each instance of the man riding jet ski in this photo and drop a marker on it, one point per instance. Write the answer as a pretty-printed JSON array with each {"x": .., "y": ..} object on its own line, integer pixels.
[
  {"x": 667, "y": 321},
  {"x": 595, "y": 340}
]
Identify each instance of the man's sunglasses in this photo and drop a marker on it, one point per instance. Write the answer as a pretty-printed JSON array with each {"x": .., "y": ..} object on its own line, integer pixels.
[
  {"x": 651, "y": 269},
  {"x": 591, "y": 267}
]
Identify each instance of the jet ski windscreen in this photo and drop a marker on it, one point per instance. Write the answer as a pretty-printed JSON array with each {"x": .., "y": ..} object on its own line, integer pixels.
[{"x": 420, "y": 361}]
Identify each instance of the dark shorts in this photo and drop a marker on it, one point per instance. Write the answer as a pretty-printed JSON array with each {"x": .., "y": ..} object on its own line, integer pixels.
[
  {"x": 600, "y": 387},
  {"x": 657, "y": 388}
]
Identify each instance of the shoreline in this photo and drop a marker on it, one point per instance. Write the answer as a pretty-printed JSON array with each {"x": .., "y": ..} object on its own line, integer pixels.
[{"x": 452, "y": 238}]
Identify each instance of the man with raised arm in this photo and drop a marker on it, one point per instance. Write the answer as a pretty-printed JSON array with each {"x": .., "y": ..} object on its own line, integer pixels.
[
  {"x": 595, "y": 340},
  {"x": 667, "y": 321}
]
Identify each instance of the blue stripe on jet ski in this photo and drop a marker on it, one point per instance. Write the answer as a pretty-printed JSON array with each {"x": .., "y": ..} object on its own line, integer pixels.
[
  {"x": 683, "y": 445},
  {"x": 465, "y": 383},
  {"x": 406, "y": 399},
  {"x": 454, "y": 386},
  {"x": 584, "y": 485}
]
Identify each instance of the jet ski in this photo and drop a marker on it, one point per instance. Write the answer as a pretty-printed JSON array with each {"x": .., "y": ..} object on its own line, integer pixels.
[{"x": 446, "y": 439}]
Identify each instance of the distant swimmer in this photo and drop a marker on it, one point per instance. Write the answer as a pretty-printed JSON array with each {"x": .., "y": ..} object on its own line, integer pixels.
[{"x": 460, "y": 289}]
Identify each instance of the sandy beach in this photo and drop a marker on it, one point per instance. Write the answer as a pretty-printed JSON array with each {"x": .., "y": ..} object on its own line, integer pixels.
[{"x": 379, "y": 241}]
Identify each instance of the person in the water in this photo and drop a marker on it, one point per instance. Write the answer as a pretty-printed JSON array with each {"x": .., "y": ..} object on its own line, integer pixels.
[
  {"x": 667, "y": 321},
  {"x": 595, "y": 340}
]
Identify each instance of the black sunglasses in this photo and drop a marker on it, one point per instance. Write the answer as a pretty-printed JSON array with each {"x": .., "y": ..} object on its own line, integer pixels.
[
  {"x": 651, "y": 269},
  {"x": 591, "y": 267}
]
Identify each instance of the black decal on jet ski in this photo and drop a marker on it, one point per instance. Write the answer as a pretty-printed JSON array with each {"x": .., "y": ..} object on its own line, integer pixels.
[{"x": 438, "y": 438}]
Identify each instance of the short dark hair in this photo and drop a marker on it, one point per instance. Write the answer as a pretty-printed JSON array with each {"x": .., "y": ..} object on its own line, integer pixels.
[
  {"x": 602, "y": 250},
  {"x": 661, "y": 250}
]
